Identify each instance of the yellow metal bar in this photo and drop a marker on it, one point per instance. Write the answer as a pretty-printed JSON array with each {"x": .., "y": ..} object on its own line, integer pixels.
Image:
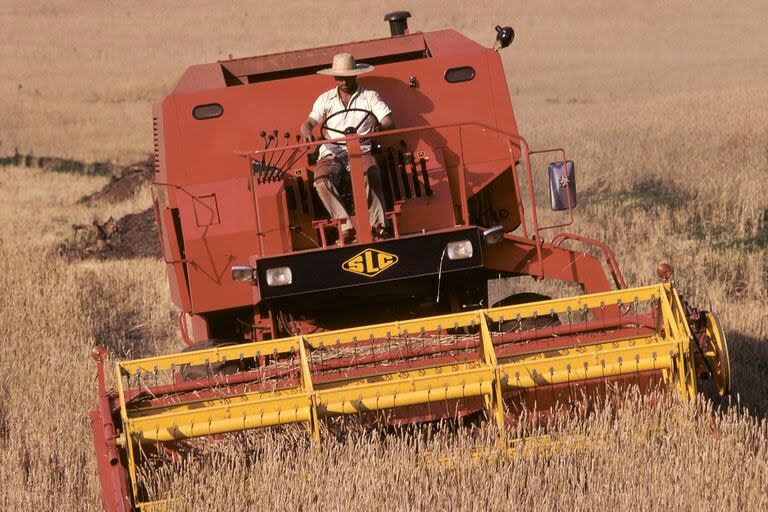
[
  {"x": 127, "y": 434},
  {"x": 313, "y": 426},
  {"x": 580, "y": 302},
  {"x": 412, "y": 327},
  {"x": 406, "y": 388},
  {"x": 604, "y": 360},
  {"x": 669, "y": 317},
  {"x": 494, "y": 402},
  {"x": 686, "y": 339},
  {"x": 488, "y": 377},
  {"x": 287, "y": 345},
  {"x": 211, "y": 355},
  {"x": 158, "y": 506},
  {"x": 217, "y": 416},
  {"x": 422, "y": 386},
  {"x": 681, "y": 342}
]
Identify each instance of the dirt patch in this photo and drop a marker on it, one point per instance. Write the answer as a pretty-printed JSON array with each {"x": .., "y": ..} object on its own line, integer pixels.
[
  {"x": 124, "y": 182},
  {"x": 132, "y": 236}
]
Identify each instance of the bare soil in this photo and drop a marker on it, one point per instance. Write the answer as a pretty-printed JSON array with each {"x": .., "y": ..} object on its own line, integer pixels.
[
  {"x": 124, "y": 182},
  {"x": 132, "y": 236}
]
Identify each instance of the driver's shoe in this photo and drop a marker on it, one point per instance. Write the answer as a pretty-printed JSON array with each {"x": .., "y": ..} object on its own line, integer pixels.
[
  {"x": 381, "y": 232},
  {"x": 348, "y": 236}
]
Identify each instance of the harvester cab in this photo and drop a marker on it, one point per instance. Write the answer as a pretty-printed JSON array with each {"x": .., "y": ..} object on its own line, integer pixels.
[{"x": 287, "y": 323}]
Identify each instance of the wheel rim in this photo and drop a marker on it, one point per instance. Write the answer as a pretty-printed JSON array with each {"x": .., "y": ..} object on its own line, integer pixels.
[{"x": 717, "y": 355}]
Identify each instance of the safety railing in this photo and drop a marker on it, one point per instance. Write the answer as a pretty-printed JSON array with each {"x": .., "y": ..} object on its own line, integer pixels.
[{"x": 362, "y": 224}]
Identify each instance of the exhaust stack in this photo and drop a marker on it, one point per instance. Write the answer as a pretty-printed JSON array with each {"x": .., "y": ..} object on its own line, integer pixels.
[{"x": 398, "y": 22}]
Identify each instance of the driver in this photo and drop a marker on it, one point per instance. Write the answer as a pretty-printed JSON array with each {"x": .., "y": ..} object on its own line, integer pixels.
[{"x": 333, "y": 160}]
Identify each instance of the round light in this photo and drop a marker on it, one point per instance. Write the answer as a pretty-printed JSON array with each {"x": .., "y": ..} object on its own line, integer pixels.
[
  {"x": 460, "y": 250},
  {"x": 279, "y": 276}
]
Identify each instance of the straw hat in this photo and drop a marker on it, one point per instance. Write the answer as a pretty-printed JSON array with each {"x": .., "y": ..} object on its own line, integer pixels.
[{"x": 344, "y": 65}]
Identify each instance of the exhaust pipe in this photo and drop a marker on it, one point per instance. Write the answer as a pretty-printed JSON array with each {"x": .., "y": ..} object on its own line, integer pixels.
[{"x": 398, "y": 22}]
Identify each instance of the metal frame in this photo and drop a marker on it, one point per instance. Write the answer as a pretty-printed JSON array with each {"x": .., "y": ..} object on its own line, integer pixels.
[
  {"x": 493, "y": 372},
  {"x": 358, "y": 182},
  {"x": 491, "y": 375}
]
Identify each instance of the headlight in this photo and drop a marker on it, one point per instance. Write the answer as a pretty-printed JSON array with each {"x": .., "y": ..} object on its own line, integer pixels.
[
  {"x": 460, "y": 250},
  {"x": 243, "y": 273},
  {"x": 280, "y": 276}
]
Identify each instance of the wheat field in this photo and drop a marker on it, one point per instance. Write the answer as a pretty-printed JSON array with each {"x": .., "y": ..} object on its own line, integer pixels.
[{"x": 662, "y": 106}]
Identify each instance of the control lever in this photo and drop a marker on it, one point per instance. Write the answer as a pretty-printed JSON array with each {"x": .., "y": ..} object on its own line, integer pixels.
[
  {"x": 401, "y": 168},
  {"x": 275, "y": 169},
  {"x": 411, "y": 160},
  {"x": 293, "y": 158},
  {"x": 427, "y": 186},
  {"x": 264, "y": 145},
  {"x": 272, "y": 136}
]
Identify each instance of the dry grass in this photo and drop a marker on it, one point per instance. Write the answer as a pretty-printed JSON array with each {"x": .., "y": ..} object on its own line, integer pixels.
[
  {"x": 83, "y": 85},
  {"x": 661, "y": 106},
  {"x": 433, "y": 471}
]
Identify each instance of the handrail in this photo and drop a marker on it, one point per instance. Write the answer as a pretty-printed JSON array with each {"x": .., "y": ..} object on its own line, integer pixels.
[
  {"x": 618, "y": 278},
  {"x": 514, "y": 140},
  {"x": 396, "y": 131}
]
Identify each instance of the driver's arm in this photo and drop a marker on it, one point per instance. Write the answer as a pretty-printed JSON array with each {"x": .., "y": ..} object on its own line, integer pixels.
[
  {"x": 387, "y": 123},
  {"x": 319, "y": 111},
  {"x": 306, "y": 129}
]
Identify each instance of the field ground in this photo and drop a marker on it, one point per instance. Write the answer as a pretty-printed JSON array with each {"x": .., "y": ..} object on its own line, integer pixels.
[{"x": 662, "y": 106}]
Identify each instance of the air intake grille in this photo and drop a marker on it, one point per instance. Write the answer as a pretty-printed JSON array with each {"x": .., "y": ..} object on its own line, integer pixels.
[{"x": 155, "y": 133}]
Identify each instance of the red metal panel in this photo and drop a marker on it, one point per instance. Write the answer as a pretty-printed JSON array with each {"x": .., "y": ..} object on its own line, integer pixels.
[
  {"x": 199, "y": 78},
  {"x": 436, "y": 211},
  {"x": 447, "y": 42},
  {"x": 283, "y": 105},
  {"x": 322, "y": 56},
  {"x": 113, "y": 477},
  {"x": 206, "y": 210},
  {"x": 210, "y": 282},
  {"x": 358, "y": 187},
  {"x": 207, "y": 164},
  {"x": 546, "y": 398},
  {"x": 212, "y": 249},
  {"x": 272, "y": 217},
  {"x": 174, "y": 262},
  {"x": 500, "y": 98},
  {"x": 518, "y": 255}
]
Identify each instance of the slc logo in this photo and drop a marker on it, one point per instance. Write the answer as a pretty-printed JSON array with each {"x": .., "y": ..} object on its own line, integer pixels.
[{"x": 369, "y": 263}]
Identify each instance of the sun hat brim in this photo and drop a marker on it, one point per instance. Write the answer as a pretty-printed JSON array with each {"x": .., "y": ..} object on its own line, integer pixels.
[{"x": 360, "y": 68}]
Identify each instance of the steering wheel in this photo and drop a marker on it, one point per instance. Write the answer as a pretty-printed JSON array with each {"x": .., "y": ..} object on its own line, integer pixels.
[{"x": 349, "y": 130}]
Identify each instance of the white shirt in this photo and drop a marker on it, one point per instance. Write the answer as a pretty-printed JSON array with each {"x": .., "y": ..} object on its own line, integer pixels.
[{"x": 329, "y": 103}]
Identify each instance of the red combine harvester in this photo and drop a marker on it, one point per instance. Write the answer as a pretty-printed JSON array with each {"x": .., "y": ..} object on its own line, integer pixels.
[{"x": 287, "y": 323}]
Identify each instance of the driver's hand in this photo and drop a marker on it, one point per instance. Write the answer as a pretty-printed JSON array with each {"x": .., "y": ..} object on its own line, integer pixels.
[{"x": 307, "y": 135}]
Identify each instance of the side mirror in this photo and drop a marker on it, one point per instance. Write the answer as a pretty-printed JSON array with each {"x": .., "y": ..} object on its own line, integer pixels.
[{"x": 562, "y": 184}]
